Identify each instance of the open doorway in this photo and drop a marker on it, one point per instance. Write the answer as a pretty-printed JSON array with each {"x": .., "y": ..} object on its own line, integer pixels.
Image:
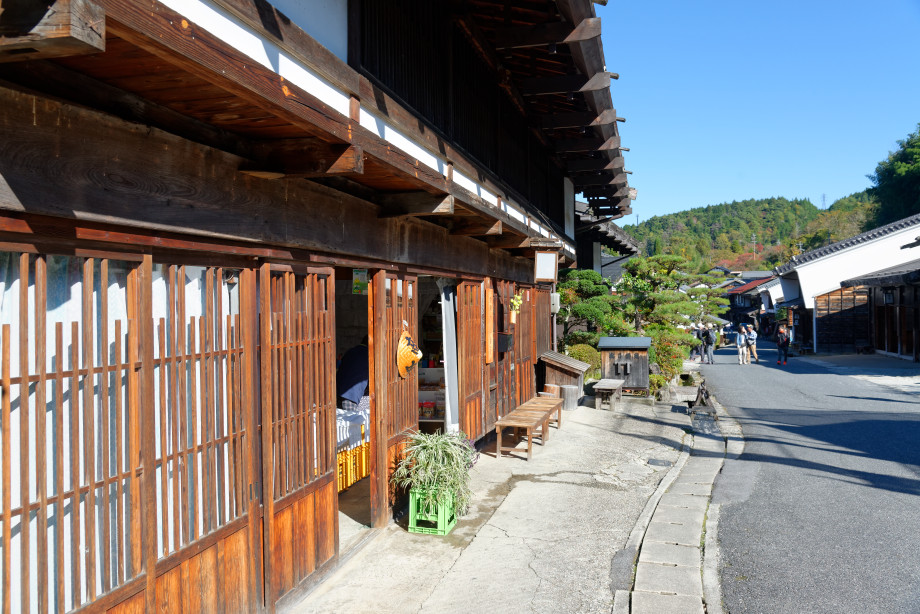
[
  {"x": 437, "y": 375},
  {"x": 353, "y": 426}
]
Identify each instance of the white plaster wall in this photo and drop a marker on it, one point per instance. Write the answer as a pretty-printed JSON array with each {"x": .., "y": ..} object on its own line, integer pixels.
[
  {"x": 822, "y": 276},
  {"x": 324, "y": 20},
  {"x": 569, "y": 195},
  {"x": 789, "y": 288}
]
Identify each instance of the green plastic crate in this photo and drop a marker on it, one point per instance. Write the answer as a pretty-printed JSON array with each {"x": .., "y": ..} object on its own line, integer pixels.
[{"x": 438, "y": 523}]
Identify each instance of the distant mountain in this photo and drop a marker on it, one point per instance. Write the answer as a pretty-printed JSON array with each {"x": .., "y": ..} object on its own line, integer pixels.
[{"x": 750, "y": 234}]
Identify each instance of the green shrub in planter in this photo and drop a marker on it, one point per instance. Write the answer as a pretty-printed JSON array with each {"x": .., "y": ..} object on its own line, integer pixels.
[
  {"x": 588, "y": 354},
  {"x": 437, "y": 468}
]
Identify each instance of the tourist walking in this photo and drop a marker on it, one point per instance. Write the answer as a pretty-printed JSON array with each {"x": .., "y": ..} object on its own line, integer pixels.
[
  {"x": 709, "y": 344},
  {"x": 741, "y": 341},
  {"x": 782, "y": 345},
  {"x": 752, "y": 344}
]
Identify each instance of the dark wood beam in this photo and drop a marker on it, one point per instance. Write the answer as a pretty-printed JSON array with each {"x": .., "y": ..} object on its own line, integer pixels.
[
  {"x": 306, "y": 158},
  {"x": 38, "y": 29},
  {"x": 467, "y": 229},
  {"x": 411, "y": 204},
  {"x": 57, "y": 81},
  {"x": 564, "y": 84},
  {"x": 508, "y": 242},
  {"x": 587, "y": 119},
  {"x": 594, "y": 164},
  {"x": 588, "y": 143},
  {"x": 547, "y": 34},
  {"x": 599, "y": 180},
  {"x": 604, "y": 191}
]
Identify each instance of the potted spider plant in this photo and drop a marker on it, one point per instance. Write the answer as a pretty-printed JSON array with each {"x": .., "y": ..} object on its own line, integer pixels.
[{"x": 436, "y": 470}]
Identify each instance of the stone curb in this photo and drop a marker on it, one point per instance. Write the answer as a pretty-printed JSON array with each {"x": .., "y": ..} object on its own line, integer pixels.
[
  {"x": 733, "y": 439},
  {"x": 734, "y": 447},
  {"x": 624, "y": 563}
]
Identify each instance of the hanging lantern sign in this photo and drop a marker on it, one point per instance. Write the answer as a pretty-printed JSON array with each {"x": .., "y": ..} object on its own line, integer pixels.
[
  {"x": 546, "y": 267},
  {"x": 407, "y": 354}
]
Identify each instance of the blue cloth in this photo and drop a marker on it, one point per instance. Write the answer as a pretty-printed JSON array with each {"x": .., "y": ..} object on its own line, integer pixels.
[
  {"x": 740, "y": 338},
  {"x": 352, "y": 377}
]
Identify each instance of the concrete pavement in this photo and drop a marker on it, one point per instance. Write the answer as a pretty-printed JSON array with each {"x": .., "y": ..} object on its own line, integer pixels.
[{"x": 556, "y": 534}]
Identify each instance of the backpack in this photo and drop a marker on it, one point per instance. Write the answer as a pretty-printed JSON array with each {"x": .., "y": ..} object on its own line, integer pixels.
[{"x": 709, "y": 337}]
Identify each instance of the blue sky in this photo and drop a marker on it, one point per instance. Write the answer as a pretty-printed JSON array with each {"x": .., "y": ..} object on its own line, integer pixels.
[{"x": 729, "y": 100}]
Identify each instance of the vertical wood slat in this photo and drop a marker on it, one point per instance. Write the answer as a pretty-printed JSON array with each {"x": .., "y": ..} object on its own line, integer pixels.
[
  {"x": 133, "y": 423},
  {"x": 205, "y": 413},
  {"x": 182, "y": 367},
  {"x": 218, "y": 366},
  {"x": 41, "y": 473},
  {"x": 89, "y": 428},
  {"x": 75, "y": 548},
  {"x": 59, "y": 457},
  {"x": 104, "y": 423},
  {"x": 193, "y": 431},
  {"x": 120, "y": 406},
  {"x": 24, "y": 489},
  {"x": 207, "y": 404},
  {"x": 5, "y": 425},
  {"x": 164, "y": 454},
  {"x": 232, "y": 429},
  {"x": 173, "y": 407}
]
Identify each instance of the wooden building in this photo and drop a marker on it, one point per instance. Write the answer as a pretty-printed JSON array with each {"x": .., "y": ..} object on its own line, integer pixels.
[
  {"x": 820, "y": 272},
  {"x": 893, "y": 309},
  {"x": 192, "y": 193}
]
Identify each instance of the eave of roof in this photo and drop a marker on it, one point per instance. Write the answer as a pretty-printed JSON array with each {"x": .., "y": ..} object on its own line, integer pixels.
[
  {"x": 900, "y": 275},
  {"x": 828, "y": 250}
]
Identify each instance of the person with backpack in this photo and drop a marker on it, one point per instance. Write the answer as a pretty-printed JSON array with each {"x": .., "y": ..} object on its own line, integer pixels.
[
  {"x": 782, "y": 345},
  {"x": 709, "y": 344}
]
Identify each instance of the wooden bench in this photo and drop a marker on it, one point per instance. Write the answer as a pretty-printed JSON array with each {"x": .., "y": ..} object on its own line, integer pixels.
[
  {"x": 608, "y": 391},
  {"x": 533, "y": 415}
]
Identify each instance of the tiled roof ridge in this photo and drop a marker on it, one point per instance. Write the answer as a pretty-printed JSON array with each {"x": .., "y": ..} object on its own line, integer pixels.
[{"x": 864, "y": 237}]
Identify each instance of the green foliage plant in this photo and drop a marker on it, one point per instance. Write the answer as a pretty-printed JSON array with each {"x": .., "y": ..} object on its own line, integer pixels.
[
  {"x": 896, "y": 183},
  {"x": 588, "y": 354},
  {"x": 437, "y": 465},
  {"x": 587, "y": 304}
]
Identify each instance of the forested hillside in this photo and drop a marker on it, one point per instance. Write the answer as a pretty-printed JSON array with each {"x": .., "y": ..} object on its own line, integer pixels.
[{"x": 751, "y": 234}]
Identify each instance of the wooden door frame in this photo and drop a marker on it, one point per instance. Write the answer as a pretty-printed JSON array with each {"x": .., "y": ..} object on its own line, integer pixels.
[{"x": 376, "y": 343}]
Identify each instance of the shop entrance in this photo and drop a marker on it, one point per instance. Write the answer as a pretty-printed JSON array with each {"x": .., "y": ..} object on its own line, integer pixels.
[
  {"x": 436, "y": 324},
  {"x": 353, "y": 406}
]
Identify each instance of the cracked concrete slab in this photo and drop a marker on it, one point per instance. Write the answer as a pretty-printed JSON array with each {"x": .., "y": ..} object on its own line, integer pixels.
[
  {"x": 654, "y": 552},
  {"x": 691, "y": 501},
  {"x": 540, "y": 536},
  {"x": 656, "y": 603},
  {"x": 668, "y": 513},
  {"x": 673, "y": 533},
  {"x": 659, "y": 578}
]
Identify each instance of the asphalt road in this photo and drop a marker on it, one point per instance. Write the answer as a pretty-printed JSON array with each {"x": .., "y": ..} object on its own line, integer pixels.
[{"x": 822, "y": 511}]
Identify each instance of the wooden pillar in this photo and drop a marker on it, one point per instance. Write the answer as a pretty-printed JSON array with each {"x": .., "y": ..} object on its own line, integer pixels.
[
  {"x": 268, "y": 475},
  {"x": 376, "y": 319},
  {"x": 249, "y": 312},
  {"x": 144, "y": 324}
]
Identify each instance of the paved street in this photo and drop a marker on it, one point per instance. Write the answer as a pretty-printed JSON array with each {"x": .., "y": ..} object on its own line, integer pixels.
[{"x": 821, "y": 513}]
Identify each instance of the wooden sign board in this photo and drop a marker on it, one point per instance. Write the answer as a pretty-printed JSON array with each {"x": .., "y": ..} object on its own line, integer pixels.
[{"x": 39, "y": 30}]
